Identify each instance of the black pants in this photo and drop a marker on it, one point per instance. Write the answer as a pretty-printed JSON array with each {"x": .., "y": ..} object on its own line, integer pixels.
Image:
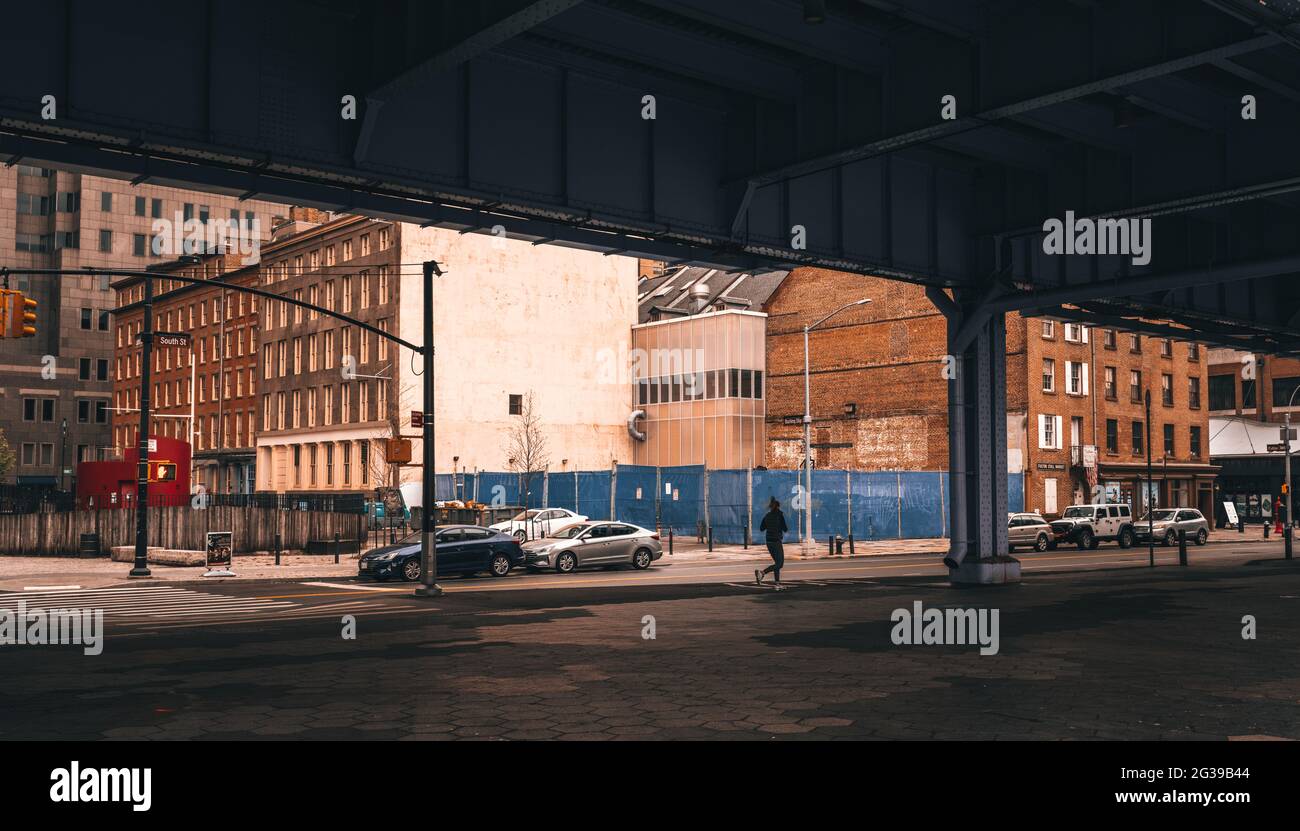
[{"x": 777, "y": 550}]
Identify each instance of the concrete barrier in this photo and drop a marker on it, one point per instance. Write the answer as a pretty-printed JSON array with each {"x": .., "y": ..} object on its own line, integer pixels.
[{"x": 160, "y": 556}]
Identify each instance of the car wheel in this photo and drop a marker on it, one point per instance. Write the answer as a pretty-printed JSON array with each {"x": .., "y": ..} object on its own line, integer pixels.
[
  {"x": 1170, "y": 539},
  {"x": 520, "y": 536},
  {"x": 500, "y": 565},
  {"x": 1096, "y": 541},
  {"x": 411, "y": 570},
  {"x": 1126, "y": 538},
  {"x": 566, "y": 562},
  {"x": 1040, "y": 544},
  {"x": 642, "y": 559},
  {"x": 1085, "y": 541},
  {"x": 1201, "y": 537}
]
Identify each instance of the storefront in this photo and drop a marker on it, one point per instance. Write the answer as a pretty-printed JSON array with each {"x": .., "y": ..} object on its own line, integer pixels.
[
  {"x": 1252, "y": 475},
  {"x": 1172, "y": 485}
]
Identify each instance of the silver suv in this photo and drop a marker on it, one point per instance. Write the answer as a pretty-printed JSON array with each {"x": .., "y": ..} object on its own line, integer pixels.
[
  {"x": 1087, "y": 526},
  {"x": 1165, "y": 524},
  {"x": 1028, "y": 530}
]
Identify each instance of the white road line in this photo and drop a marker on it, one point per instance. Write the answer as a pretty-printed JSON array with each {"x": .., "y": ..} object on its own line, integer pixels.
[
  {"x": 47, "y": 588},
  {"x": 361, "y": 586}
]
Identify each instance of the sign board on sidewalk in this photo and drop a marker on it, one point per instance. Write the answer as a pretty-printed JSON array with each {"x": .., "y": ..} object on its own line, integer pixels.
[
  {"x": 1231, "y": 510},
  {"x": 1276, "y": 448},
  {"x": 417, "y": 419},
  {"x": 219, "y": 545}
]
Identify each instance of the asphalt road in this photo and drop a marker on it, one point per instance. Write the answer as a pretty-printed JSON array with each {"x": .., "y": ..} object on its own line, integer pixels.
[{"x": 1093, "y": 645}]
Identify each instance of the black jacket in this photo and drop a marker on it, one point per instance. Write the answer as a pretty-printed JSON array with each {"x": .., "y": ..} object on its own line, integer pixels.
[{"x": 774, "y": 524}]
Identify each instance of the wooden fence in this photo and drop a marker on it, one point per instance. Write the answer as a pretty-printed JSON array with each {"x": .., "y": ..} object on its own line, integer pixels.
[{"x": 181, "y": 527}]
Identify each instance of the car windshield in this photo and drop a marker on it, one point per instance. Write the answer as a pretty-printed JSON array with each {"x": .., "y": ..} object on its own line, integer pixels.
[
  {"x": 1160, "y": 516},
  {"x": 522, "y": 515},
  {"x": 1077, "y": 513},
  {"x": 570, "y": 533}
]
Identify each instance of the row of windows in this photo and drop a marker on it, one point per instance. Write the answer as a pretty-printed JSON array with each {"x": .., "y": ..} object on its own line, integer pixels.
[
  {"x": 45, "y": 410},
  {"x": 1223, "y": 392},
  {"x": 327, "y": 256},
  {"x": 1078, "y": 333},
  {"x": 323, "y": 455},
  {"x": 370, "y": 292},
  {"x": 1137, "y": 434},
  {"x": 1076, "y": 383},
  {"x": 289, "y": 411},
  {"x": 701, "y": 386}
]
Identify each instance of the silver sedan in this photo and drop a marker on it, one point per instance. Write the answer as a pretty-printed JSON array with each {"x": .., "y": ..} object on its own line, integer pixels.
[{"x": 594, "y": 544}]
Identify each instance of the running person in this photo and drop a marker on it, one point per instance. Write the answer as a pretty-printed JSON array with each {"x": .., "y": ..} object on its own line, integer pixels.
[{"x": 774, "y": 526}]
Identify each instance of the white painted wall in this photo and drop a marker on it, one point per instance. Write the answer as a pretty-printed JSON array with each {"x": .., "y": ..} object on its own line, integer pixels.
[{"x": 512, "y": 317}]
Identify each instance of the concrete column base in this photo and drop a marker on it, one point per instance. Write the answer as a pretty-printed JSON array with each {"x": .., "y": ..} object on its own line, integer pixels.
[{"x": 985, "y": 571}]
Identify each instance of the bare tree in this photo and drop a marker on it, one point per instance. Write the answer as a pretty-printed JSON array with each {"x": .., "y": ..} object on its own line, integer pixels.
[
  {"x": 6, "y": 454},
  {"x": 528, "y": 455}
]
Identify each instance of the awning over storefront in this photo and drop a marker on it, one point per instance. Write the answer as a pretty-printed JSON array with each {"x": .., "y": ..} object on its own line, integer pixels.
[{"x": 38, "y": 481}]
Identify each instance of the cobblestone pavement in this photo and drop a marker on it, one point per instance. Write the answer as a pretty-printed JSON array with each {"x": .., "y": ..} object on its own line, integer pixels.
[{"x": 1125, "y": 654}]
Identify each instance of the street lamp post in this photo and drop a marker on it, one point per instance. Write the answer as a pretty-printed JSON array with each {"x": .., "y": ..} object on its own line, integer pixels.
[
  {"x": 141, "y": 568},
  {"x": 428, "y": 521},
  {"x": 806, "y": 545},
  {"x": 1151, "y": 536},
  {"x": 63, "y": 455},
  {"x": 1286, "y": 441}
]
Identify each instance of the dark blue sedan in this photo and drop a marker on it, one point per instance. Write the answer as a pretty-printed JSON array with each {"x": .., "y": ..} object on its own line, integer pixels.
[{"x": 461, "y": 549}]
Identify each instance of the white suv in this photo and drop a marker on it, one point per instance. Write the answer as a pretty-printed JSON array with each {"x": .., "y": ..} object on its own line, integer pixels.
[{"x": 1087, "y": 526}]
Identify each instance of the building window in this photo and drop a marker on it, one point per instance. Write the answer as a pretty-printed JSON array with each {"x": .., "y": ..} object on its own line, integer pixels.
[
  {"x": 138, "y": 245},
  {"x": 1049, "y": 374},
  {"x": 1135, "y": 385},
  {"x": 1138, "y": 441},
  {"x": 516, "y": 405},
  {"x": 1169, "y": 439},
  {"x": 1223, "y": 392},
  {"x": 1049, "y": 432},
  {"x": 1134, "y": 343},
  {"x": 1076, "y": 378},
  {"x": 1194, "y": 442},
  {"x": 1283, "y": 390},
  {"x": 1049, "y": 329},
  {"x": 1167, "y": 389},
  {"x": 1075, "y": 333},
  {"x": 1108, "y": 338},
  {"x": 1194, "y": 393},
  {"x": 1112, "y": 436},
  {"x": 86, "y": 318},
  {"x": 1193, "y": 351},
  {"x": 1166, "y": 348},
  {"x": 1112, "y": 385}
]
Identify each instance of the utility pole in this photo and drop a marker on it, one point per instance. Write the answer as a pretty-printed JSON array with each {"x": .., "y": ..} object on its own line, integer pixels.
[
  {"x": 429, "y": 523},
  {"x": 141, "y": 568},
  {"x": 1151, "y": 536},
  {"x": 1286, "y": 441}
]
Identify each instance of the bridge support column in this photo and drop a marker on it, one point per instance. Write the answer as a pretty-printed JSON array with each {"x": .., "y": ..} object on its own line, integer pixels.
[{"x": 977, "y": 444}]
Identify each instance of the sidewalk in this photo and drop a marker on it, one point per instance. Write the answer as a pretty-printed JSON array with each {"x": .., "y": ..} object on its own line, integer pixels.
[{"x": 686, "y": 550}]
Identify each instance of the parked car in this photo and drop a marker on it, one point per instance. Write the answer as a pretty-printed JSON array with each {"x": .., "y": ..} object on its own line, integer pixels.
[
  {"x": 1087, "y": 526},
  {"x": 1165, "y": 523},
  {"x": 594, "y": 544},
  {"x": 1029, "y": 530},
  {"x": 538, "y": 522},
  {"x": 460, "y": 549}
]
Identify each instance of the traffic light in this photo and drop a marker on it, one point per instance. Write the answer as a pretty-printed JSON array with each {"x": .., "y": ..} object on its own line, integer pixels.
[
  {"x": 18, "y": 318},
  {"x": 163, "y": 472}
]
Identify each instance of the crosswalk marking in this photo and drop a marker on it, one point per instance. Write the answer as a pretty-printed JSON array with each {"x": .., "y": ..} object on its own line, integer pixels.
[{"x": 160, "y": 602}]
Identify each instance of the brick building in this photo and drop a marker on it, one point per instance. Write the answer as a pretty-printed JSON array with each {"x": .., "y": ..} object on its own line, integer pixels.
[
  {"x": 513, "y": 322},
  {"x": 879, "y": 396},
  {"x": 58, "y": 219},
  {"x": 1259, "y": 387},
  {"x": 204, "y": 393}
]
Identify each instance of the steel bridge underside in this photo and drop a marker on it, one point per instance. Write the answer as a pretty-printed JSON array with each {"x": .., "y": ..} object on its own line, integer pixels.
[{"x": 531, "y": 115}]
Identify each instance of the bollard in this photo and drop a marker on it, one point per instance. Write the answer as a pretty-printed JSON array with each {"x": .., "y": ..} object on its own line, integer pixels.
[
  {"x": 745, "y": 543},
  {"x": 277, "y": 549},
  {"x": 1266, "y": 529},
  {"x": 1182, "y": 546},
  {"x": 830, "y": 544},
  {"x": 1289, "y": 530},
  {"x": 710, "y": 537},
  {"x": 670, "y": 541},
  {"x": 336, "y": 547},
  {"x": 1241, "y": 526},
  {"x": 850, "y": 545},
  {"x": 839, "y": 544}
]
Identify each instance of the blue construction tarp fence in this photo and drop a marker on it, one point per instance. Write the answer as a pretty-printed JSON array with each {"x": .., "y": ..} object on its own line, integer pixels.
[{"x": 870, "y": 505}]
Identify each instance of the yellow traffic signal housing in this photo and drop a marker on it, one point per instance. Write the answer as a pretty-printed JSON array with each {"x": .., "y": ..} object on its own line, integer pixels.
[{"x": 19, "y": 315}]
